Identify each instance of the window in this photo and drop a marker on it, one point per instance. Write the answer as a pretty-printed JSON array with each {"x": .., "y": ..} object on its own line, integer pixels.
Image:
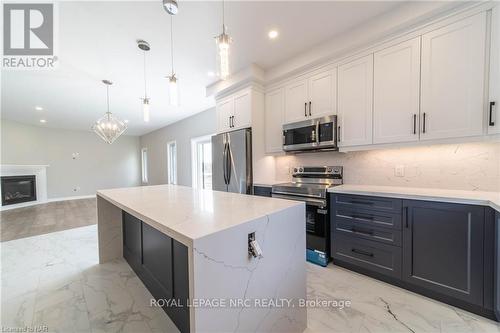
[
  {"x": 172, "y": 162},
  {"x": 201, "y": 154},
  {"x": 144, "y": 165}
]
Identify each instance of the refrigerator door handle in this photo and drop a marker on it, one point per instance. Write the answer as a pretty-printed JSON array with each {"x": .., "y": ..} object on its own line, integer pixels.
[
  {"x": 224, "y": 164},
  {"x": 228, "y": 162}
]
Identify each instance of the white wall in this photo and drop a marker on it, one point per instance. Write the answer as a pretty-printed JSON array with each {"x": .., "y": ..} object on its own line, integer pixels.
[
  {"x": 468, "y": 166},
  {"x": 182, "y": 132},
  {"x": 99, "y": 165}
]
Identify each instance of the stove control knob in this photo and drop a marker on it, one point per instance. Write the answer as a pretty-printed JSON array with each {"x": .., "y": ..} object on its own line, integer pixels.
[
  {"x": 294, "y": 170},
  {"x": 301, "y": 169},
  {"x": 329, "y": 170}
]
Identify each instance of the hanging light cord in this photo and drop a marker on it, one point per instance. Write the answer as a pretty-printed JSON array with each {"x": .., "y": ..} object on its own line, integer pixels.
[
  {"x": 223, "y": 19},
  {"x": 107, "y": 99},
  {"x": 172, "y": 42},
  {"x": 145, "y": 86}
]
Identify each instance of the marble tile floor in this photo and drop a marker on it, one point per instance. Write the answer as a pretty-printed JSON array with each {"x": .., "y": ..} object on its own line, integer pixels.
[
  {"x": 55, "y": 280},
  {"x": 45, "y": 218}
]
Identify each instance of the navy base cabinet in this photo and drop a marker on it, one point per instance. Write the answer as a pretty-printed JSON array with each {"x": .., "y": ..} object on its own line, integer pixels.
[
  {"x": 162, "y": 265},
  {"x": 441, "y": 250}
]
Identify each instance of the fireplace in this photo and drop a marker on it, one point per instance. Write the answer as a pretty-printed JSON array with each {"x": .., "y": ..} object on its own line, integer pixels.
[{"x": 17, "y": 189}]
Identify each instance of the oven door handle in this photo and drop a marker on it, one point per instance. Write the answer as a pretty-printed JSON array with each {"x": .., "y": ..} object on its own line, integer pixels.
[
  {"x": 299, "y": 195},
  {"x": 313, "y": 202}
]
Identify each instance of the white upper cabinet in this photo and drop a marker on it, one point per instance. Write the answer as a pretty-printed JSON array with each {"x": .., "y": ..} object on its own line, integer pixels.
[
  {"x": 397, "y": 93},
  {"x": 274, "y": 114},
  {"x": 452, "y": 87},
  {"x": 322, "y": 94},
  {"x": 235, "y": 111},
  {"x": 355, "y": 102},
  {"x": 494, "y": 100},
  {"x": 224, "y": 110},
  {"x": 242, "y": 115},
  {"x": 296, "y": 101},
  {"x": 311, "y": 97}
]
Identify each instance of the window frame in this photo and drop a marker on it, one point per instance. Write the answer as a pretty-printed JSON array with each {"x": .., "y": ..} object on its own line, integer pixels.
[
  {"x": 171, "y": 166},
  {"x": 144, "y": 165},
  {"x": 195, "y": 158}
]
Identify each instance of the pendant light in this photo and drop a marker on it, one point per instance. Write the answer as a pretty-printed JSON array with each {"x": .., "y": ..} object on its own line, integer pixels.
[
  {"x": 109, "y": 128},
  {"x": 144, "y": 46},
  {"x": 223, "y": 41},
  {"x": 172, "y": 79},
  {"x": 171, "y": 6}
]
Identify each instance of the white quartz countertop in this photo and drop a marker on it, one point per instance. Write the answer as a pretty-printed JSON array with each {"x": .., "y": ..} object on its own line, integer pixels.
[
  {"x": 482, "y": 198},
  {"x": 186, "y": 214}
]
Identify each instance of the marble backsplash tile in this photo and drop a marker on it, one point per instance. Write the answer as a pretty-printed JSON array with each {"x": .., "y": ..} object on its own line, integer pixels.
[{"x": 467, "y": 166}]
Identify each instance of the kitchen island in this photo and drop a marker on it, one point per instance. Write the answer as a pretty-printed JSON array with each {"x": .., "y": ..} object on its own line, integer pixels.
[{"x": 191, "y": 248}]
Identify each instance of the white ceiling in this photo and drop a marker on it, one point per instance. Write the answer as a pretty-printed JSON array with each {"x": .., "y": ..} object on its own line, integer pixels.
[{"x": 97, "y": 40}]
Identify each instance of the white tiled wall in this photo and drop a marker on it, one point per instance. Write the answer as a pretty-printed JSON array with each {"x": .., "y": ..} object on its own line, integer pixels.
[{"x": 470, "y": 166}]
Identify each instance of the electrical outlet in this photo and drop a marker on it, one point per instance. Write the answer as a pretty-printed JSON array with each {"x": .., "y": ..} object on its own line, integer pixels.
[
  {"x": 76, "y": 189},
  {"x": 399, "y": 170}
]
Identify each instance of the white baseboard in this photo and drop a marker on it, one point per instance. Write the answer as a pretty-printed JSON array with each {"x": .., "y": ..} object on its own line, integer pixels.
[{"x": 34, "y": 203}]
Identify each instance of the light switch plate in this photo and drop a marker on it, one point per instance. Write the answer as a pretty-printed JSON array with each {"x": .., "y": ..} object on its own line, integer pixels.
[{"x": 399, "y": 170}]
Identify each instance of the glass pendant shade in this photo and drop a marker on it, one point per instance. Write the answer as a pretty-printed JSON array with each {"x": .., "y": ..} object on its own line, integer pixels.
[
  {"x": 109, "y": 128},
  {"x": 145, "y": 109},
  {"x": 223, "y": 41},
  {"x": 174, "y": 92}
]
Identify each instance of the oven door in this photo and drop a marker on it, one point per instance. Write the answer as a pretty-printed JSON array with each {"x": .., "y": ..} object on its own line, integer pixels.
[{"x": 317, "y": 221}]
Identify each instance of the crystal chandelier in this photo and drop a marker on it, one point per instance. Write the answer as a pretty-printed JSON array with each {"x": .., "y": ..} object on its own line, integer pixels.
[
  {"x": 109, "y": 128},
  {"x": 223, "y": 41},
  {"x": 144, "y": 46}
]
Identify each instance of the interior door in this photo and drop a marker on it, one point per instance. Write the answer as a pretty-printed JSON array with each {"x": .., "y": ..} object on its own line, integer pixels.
[
  {"x": 296, "y": 101},
  {"x": 443, "y": 248},
  {"x": 355, "y": 102},
  {"x": 453, "y": 67},
  {"x": 494, "y": 100},
  {"x": 240, "y": 161},
  {"x": 323, "y": 93},
  {"x": 396, "y": 96},
  {"x": 218, "y": 167}
]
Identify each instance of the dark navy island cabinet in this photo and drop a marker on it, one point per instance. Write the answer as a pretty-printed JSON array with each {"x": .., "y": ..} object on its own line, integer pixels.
[
  {"x": 162, "y": 265},
  {"x": 442, "y": 250}
]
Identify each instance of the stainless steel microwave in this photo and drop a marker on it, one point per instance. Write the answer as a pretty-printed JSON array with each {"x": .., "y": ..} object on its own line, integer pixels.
[{"x": 311, "y": 135}]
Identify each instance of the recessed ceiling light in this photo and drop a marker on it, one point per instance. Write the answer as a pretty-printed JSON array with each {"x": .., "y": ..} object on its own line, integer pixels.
[
  {"x": 38, "y": 108},
  {"x": 272, "y": 34},
  {"x": 43, "y": 121},
  {"x": 211, "y": 73},
  {"x": 126, "y": 121}
]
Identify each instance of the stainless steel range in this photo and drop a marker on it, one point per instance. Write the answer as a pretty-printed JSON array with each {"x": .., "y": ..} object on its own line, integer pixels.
[{"x": 310, "y": 184}]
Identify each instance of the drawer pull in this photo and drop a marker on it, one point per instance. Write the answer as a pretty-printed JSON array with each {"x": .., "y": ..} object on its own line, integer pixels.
[
  {"x": 363, "y": 253},
  {"x": 361, "y": 202},
  {"x": 361, "y": 217},
  {"x": 364, "y": 232}
]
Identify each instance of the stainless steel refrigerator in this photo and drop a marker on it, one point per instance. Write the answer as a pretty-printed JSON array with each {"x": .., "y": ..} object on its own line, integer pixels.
[{"x": 232, "y": 161}]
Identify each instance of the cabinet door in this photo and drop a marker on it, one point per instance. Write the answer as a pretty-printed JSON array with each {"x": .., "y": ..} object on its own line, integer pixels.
[
  {"x": 397, "y": 93},
  {"x": 132, "y": 240},
  {"x": 323, "y": 94},
  {"x": 443, "y": 248},
  {"x": 242, "y": 110},
  {"x": 494, "y": 100},
  {"x": 355, "y": 102},
  {"x": 225, "y": 110},
  {"x": 296, "y": 101},
  {"x": 274, "y": 113},
  {"x": 453, "y": 66}
]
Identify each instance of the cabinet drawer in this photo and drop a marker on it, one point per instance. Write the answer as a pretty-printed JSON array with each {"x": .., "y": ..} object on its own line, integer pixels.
[
  {"x": 262, "y": 191},
  {"x": 381, "y": 258},
  {"x": 343, "y": 213},
  {"x": 367, "y": 202},
  {"x": 366, "y": 231}
]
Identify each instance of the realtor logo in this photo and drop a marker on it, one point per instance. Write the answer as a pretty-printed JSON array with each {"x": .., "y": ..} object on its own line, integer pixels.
[{"x": 28, "y": 38}]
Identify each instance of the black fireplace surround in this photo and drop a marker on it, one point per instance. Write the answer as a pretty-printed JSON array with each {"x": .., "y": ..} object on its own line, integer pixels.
[{"x": 17, "y": 189}]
